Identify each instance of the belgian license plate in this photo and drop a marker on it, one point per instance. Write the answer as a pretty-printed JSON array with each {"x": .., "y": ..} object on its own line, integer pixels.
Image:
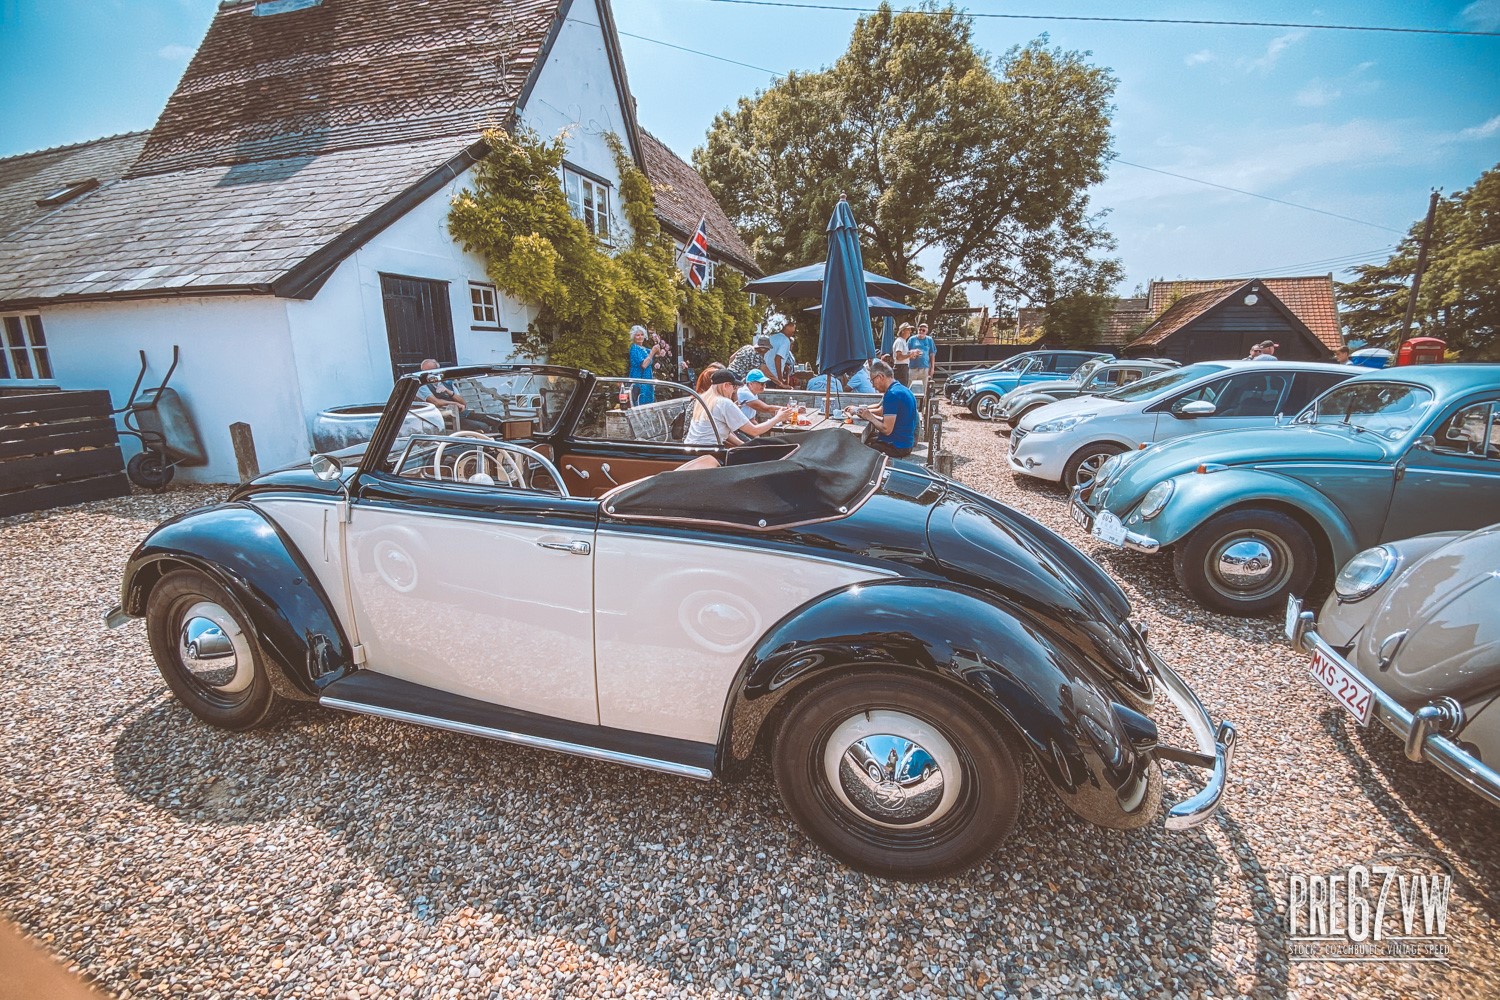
[
  {"x": 1351, "y": 692},
  {"x": 1109, "y": 528}
]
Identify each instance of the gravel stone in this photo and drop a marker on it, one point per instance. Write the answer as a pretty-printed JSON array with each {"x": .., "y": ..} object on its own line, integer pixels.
[{"x": 346, "y": 856}]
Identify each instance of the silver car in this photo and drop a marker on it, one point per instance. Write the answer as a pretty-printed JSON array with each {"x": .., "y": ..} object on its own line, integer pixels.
[{"x": 1410, "y": 638}]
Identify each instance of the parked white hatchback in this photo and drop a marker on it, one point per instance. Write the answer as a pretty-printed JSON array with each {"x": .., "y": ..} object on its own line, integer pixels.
[{"x": 1068, "y": 440}]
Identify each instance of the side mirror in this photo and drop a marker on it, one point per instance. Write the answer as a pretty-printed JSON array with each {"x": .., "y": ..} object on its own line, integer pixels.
[
  {"x": 1424, "y": 443},
  {"x": 1193, "y": 409},
  {"x": 327, "y": 468}
]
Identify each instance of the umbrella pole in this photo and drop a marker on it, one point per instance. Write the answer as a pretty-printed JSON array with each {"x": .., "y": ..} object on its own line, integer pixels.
[{"x": 827, "y": 395}]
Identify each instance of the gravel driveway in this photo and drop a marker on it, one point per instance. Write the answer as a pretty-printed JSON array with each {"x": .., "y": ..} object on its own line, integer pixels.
[{"x": 348, "y": 856}]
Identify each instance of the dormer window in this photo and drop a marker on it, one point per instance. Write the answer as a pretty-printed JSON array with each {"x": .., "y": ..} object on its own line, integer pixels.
[
  {"x": 67, "y": 192},
  {"x": 264, "y": 8}
]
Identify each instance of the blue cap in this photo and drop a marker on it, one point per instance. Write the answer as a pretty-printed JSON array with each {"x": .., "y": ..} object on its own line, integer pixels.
[{"x": 756, "y": 375}]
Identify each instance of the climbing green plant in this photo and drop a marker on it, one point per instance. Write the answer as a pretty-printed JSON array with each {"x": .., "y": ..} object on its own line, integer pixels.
[{"x": 586, "y": 295}]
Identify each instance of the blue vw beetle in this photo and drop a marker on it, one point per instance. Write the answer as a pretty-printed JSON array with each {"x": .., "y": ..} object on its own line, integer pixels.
[
  {"x": 1254, "y": 515},
  {"x": 982, "y": 393}
]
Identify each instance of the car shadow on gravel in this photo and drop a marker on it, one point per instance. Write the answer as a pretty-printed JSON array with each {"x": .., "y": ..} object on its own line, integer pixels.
[
  {"x": 1421, "y": 798},
  {"x": 611, "y": 859}
]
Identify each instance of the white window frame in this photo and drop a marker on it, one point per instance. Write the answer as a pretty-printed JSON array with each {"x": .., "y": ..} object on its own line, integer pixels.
[
  {"x": 21, "y": 335},
  {"x": 585, "y": 192},
  {"x": 484, "y": 307}
]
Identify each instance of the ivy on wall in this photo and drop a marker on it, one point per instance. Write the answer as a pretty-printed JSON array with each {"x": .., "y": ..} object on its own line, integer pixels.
[{"x": 586, "y": 294}]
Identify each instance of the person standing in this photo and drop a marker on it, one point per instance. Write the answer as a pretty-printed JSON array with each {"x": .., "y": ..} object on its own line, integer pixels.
[
  {"x": 1263, "y": 351},
  {"x": 923, "y": 351},
  {"x": 1341, "y": 356},
  {"x": 750, "y": 357},
  {"x": 901, "y": 355},
  {"x": 894, "y": 417},
  {"x": 642, "y": 364},
  {"x": 781, "y": 359}
]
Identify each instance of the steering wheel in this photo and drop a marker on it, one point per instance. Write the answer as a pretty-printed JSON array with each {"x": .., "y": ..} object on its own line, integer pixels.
[{"x": 493, "y": 462}]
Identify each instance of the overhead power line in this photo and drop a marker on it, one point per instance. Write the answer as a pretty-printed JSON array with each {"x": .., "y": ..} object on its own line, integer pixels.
[
  {"x": 1263, "y": 197},
  {"x": 1138, "y": 166},
  {"x": 1125, "y": 20}
]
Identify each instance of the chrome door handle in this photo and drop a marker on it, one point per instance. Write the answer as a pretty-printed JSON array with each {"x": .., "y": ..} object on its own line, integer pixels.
[
  {"x": 572, "y": 548},
  {"x": 605, "y": 469}
]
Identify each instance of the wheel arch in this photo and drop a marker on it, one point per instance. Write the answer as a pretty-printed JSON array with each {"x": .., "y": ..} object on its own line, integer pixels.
[
  {"x": 995, "y": 656},
  {"x": 247, "y": 554}
]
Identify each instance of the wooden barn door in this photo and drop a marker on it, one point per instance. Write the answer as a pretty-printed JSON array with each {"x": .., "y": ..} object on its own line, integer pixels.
[{"x": 418, "y": 322}]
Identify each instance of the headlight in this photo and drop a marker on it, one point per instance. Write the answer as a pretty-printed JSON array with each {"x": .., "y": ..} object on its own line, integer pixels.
[
  {"x": 1365, "y": 574},
  {"x": 1110, "y": 466},
  {"x": 1061, "y": 424},
  {"x": 1156, "y": 498}
]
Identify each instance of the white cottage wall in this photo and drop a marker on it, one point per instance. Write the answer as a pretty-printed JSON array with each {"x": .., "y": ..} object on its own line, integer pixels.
[{"x": 236, "y": 366}]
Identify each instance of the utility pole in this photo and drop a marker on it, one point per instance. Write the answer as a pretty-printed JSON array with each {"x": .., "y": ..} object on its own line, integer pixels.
[{"x": 1416, "y": 278}]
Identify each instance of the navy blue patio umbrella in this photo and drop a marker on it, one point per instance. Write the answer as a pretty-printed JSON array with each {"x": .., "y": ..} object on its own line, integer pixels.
[
  {"x": 807, "y": 283},
  {"x": 879, "y": 306},
  {"x": 844, "y": 337},
  {"x": 887, "y": 335}
]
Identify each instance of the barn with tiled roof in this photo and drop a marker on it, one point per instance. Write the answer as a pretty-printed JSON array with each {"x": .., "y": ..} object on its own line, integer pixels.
[{"x": 1207, "y": 320}]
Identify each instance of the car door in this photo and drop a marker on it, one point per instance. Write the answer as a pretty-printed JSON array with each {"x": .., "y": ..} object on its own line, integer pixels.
[
  {"x": 1245, "y": 399},
  {"x": 1456, "y": 484},
  {"x": 476, "y": 590}
]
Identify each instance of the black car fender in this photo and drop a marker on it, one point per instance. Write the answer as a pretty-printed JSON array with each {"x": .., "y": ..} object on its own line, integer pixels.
[
  {"x": 1094, "y": 750},
  {"x": 237, "y": 546}
]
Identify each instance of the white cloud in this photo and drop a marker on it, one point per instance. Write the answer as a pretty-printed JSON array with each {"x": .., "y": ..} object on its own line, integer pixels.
[
  {"x": 1317, "y": 94},
  {"x": 1273, "y": 52},
  {"x": 175, "y": 53},
  {"x": 1483, "y": 15},
  {"x": 1199, "y": 58},
  {"x": 1484, "y": 131}
]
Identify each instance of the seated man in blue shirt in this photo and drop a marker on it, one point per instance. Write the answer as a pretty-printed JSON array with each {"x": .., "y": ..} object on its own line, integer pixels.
[
  {"x": 894, "y": 417},
  {"x": 859, "y": 381}
]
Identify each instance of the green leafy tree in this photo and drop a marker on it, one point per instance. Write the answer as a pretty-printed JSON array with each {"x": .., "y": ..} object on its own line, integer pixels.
[
  {"x": 936, "y": 145},
  {"x": 1460, "y": 295},
  {"x": 586, "y": 294}
]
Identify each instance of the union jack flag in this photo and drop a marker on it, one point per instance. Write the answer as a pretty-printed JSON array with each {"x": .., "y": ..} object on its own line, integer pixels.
[{"x": 695, "y": 256}]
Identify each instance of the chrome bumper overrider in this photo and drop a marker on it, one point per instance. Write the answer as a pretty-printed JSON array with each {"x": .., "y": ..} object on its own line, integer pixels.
[
  {"x": 1134, "y": 540},
  {"x": 1215, "y": 742},
  {"x": 1419, "y": 730},
  {"x": 115, "y": 617}
]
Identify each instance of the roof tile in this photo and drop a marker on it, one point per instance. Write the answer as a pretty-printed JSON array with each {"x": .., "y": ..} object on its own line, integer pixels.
[{"x": 682, "y": 199}]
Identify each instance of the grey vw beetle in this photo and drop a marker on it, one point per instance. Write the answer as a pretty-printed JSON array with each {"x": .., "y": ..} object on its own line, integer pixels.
[{"x": 1410, "y": 637}]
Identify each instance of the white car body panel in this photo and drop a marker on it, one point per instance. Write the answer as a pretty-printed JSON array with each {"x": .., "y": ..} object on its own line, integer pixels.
[{"x": 676, "y": 617}]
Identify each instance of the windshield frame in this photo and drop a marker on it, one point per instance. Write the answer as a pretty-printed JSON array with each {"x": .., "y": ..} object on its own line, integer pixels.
[{"x": 1423, "y": 411}]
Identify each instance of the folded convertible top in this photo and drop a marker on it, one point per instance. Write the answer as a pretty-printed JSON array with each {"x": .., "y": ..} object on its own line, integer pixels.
[{"x": 828, "y": 475}]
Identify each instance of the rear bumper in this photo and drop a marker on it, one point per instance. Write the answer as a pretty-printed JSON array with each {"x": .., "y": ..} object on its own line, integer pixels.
[
  {"x": 1425, "y": 732},
  {"x": 1216, "y": 744}
]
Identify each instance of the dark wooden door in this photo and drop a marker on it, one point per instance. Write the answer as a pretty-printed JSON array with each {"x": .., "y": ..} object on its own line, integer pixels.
[{"x": 418, "y": 322}]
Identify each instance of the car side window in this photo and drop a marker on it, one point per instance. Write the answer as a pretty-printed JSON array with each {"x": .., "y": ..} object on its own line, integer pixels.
[
  {"x": 1067, "y": 363},
  {"x": 618, "y": 410},
  {"x": 1471, "y": 431},
  {"x": 1208, "y": 393},
  {"x": 1252, "y": 394},
  {"x": 1307, "y": 386}
]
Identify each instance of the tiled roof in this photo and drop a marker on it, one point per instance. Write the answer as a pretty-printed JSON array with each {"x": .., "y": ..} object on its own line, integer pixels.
[
  {"x": 1182, "y": 312},
  {"x": 682, "y": 198},
  {"x": 1127, "y": 315},
  {"x": 1309, "y": 298},
  {"x": 25, "y": 178},
  {"x": 216, "y": 228},
  {"x": 345, "y": 74}
]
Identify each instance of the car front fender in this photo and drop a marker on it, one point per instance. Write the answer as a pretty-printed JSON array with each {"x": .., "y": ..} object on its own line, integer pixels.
[
  {"x": 1198, "y": 497},
  {"x": 249, "y": 556},
  {"x": 1094, "y": 750}
]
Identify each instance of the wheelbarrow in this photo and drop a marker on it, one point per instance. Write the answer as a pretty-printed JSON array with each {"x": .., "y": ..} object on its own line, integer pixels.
[{"x": 159, "y": 419}]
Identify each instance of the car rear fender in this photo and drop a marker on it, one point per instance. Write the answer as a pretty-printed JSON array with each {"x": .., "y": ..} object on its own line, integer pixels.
[
  {"x": 249, "y": 556},
  {"x": 1094, "y": 750},
  {"x": 1197, "y": 497}
]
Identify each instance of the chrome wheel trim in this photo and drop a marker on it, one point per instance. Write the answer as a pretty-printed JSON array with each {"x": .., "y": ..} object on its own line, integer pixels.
[
  {"x": 1248, "y": 565},
  {"x": 230, "y": 674},
  {"x": 892, "y": 803},
  {"x": 987, "y": 407}
]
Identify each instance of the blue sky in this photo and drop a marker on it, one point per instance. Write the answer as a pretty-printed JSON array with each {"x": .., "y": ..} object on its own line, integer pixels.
[{"x": 1354, "y": 123}]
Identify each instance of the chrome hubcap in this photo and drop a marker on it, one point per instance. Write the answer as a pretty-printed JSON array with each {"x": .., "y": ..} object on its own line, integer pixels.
[
  {"x": 892, "y": 769},
  {"x": 213, "y": 649},
  {"x": 987, "y": 407},
  {"x": 1249, "y": 566}
]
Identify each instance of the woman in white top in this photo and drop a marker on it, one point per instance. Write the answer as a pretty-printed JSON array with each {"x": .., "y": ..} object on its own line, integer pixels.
[
  {"x": 901, "y": 355},
  {"x": 723, "y": 420}
]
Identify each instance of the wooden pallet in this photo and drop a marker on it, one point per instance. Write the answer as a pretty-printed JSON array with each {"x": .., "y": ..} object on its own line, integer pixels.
[{"x": 58, "y": 448}]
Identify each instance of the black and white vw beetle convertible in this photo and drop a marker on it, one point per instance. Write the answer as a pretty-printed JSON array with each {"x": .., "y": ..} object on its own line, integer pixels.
[{"x": 894, "y": 641}]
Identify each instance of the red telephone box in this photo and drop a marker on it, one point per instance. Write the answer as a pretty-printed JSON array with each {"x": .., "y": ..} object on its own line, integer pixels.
[{"x": 1421, "y": 351}]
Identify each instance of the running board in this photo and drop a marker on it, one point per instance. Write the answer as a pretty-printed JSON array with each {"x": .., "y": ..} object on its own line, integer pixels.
[{"x": 369, "y": 693}]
